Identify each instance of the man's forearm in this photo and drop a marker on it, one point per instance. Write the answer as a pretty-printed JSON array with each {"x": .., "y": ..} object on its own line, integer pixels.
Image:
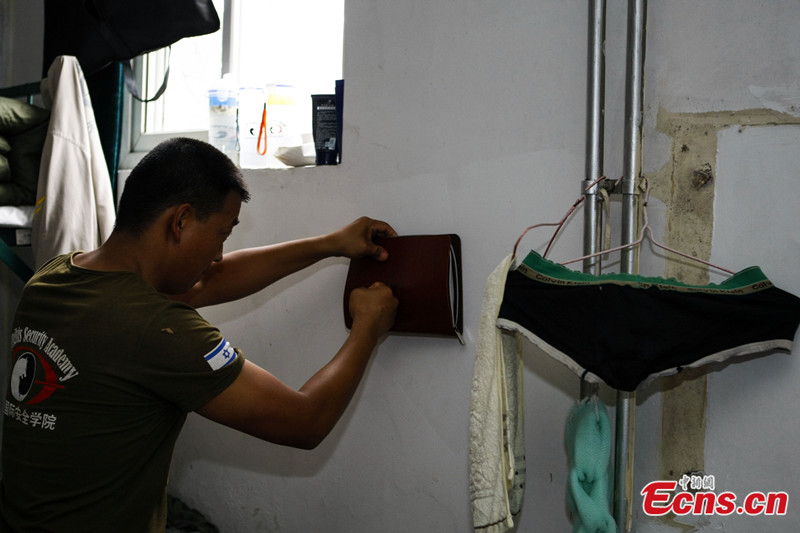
[
  {"x": 245, "y": 272},
  {"x": 333, "y": 386}
]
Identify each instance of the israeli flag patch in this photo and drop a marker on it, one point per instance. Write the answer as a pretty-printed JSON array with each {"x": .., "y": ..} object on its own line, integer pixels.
[{"x": 221, "y": 356}]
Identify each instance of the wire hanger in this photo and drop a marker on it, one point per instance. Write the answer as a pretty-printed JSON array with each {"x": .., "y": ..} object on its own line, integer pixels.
[
  {"x": 646, "y": 230},
  {"x": 559, "y": 224}
]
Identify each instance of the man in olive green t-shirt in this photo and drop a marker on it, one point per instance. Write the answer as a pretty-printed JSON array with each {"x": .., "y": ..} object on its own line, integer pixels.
[{"x": 109, "y": 353}]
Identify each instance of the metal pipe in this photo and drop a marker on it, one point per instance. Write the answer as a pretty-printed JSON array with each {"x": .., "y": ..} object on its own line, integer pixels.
[
  {"x": 626, "y": 402},
  {"x": 633, "y": 126},
  {"x": 594, "y": 129},
  {"x": 594, "y": 144}
]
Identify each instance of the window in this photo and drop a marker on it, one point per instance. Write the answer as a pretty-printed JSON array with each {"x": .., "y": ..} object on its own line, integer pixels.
[{"x": 295, "y": 43}]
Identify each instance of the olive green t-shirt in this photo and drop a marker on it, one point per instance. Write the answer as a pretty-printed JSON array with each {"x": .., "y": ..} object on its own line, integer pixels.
[{"x": 104, "y": 370}]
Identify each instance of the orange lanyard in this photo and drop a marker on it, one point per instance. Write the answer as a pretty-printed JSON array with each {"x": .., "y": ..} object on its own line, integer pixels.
[{"x": 262, "y": 132}]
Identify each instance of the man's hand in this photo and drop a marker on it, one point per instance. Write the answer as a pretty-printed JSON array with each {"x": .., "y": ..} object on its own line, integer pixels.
[
  {"x": 355, "y": 239},
  {"x": 373, "y": 308}
]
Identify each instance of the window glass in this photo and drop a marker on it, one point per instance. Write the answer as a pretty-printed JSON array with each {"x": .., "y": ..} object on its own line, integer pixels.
[
  {"x": 291, "y": 42},
  {"x": 194, "y": 64},
  {"x": 273, "y": 42}
]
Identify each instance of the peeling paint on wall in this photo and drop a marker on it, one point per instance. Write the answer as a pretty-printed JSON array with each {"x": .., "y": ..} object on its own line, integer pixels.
[
  {"x": 686, "y": 185},
  {"x": 686, "y": 182},
  {"x": 783, "y": 99}
]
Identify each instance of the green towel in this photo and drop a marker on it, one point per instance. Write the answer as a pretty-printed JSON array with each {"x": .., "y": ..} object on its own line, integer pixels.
[{"x": 588, "y": 436}]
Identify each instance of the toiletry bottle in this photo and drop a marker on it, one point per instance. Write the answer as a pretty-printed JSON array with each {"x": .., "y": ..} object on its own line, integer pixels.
[
  {"x": 324, "y": 124},
  {"x": 222, "y": 106}
]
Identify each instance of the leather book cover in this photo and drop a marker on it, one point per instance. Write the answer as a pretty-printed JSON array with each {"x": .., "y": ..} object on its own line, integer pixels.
[{"x": 424, "y": 273}]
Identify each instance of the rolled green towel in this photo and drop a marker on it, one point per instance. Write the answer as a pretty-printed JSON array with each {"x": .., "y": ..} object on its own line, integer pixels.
[{"x": 588, "y": 436}]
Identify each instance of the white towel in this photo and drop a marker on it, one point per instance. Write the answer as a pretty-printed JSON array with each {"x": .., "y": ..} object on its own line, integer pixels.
[{"x": 497, "y": 444}]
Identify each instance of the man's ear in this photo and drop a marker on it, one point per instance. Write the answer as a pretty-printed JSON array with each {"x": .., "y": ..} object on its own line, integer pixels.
[{"x": 181, "y": 216}]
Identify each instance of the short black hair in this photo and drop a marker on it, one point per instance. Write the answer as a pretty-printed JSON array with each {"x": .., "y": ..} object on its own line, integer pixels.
[{"x": 179, "y": 170}]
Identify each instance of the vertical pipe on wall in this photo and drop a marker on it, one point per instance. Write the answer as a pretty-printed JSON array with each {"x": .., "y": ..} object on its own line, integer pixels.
[
  {"x": 626, "y": 402},
  {"x": 633, "y": 126},
  {"x": 594, "y": 130},
  {"x": 594, "y": 143}
]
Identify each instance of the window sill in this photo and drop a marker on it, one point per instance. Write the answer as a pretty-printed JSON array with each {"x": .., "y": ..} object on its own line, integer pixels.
[{"x": 288, "y": 174}]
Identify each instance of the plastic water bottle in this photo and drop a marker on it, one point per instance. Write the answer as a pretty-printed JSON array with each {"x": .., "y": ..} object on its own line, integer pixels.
[
  {"x": 282, "y": 117},
  {"x": 223, "y": 102}
]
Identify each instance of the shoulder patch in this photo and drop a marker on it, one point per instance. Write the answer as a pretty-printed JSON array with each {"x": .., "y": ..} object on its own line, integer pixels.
[{"x": 221, "y": 356}]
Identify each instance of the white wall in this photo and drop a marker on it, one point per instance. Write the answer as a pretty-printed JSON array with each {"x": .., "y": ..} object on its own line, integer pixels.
[
  {"x": 469, "y": 117},
  {"x": 455, "y": 121},
  {"x": 21, "y": 24},
  {"x": 733, "y": 56}
]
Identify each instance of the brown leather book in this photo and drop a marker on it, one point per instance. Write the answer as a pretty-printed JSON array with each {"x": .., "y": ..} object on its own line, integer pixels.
[{"x": 424, "y": 272}]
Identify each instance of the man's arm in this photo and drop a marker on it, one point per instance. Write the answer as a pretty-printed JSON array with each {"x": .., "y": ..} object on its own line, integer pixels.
[
  {"x": 261, "y": 405},
  {"x": 245, "y": 272}
]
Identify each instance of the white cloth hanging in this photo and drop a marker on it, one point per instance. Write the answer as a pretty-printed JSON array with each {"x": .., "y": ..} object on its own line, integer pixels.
[
  {"x": 74, "y": 200},
  {"x": 496, "y": 445}
]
